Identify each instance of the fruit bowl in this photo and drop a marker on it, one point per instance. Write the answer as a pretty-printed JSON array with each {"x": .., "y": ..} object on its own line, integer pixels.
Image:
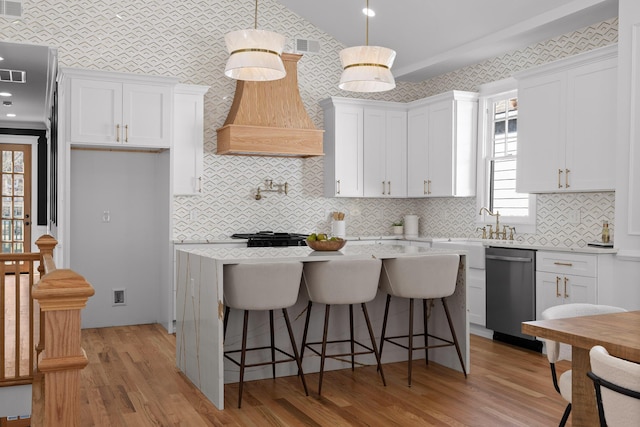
[{"x": 326, "y": 245}]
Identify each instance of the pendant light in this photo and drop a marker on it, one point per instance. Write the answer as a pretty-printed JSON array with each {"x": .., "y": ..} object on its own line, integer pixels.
[
  {"x": 367, "y": 68},
  {"x": 254, "y": 54}
]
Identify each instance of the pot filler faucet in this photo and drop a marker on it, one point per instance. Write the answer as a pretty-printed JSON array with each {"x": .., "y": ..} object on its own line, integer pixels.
[{"x": 498, "y": 234}]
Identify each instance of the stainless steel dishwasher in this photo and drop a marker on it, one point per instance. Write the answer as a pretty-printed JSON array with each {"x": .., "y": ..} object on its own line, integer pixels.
[{"x": 511, "y": 294}]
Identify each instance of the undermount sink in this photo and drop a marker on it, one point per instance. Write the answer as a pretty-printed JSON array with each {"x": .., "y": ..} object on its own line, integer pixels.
[{"x": 474, "y": 248}]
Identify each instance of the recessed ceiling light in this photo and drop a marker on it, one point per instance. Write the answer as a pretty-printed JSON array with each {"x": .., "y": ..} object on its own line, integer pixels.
[
  {"x": 1, "y": 58},
  {"x": 5, "y": 94},
  {"x": 7, "y": 103},
  {"x": 368, "y": 12},
  {"x": 11, "y": 115}
]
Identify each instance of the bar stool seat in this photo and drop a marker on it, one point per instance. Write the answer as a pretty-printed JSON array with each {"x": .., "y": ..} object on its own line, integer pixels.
[
  {"x": 262, "y": 286},
  {"x": 341, "y": 282},
  {"x": 420, "y": 277}
]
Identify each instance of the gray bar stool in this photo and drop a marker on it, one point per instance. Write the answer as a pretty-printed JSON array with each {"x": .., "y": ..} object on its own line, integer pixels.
[
  {"x": 341, "y": 282},
  {"x": 423, "y": 277},
  {"x": 262, "y": 286}
]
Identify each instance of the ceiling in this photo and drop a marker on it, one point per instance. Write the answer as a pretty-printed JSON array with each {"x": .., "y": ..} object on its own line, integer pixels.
[
  {"x": 432, "y": 37},
  {"x": 30, "y": 101}
]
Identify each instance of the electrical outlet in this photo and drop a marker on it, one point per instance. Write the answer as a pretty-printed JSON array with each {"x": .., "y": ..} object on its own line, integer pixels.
[
  {"x": 193, "y": 214},
  {"x": 574, "y": 216},
  {"x": 119, "y": 297},
  {"x": 106, "y": 216}
]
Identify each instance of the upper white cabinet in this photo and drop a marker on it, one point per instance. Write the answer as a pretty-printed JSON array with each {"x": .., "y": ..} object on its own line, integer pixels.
[
  {"x": 385, "y": 151},
  {"x": 119, "y": 109},
  {"x": 442, "y": 135},
  {"x": 343, "y": 147},
  {"x": 567, "y": 120},
  {"x": 188, "y": 137}
]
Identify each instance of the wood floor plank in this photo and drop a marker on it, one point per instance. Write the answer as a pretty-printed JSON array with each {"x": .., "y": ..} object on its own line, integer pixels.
[{"x": 132, "y": 380}]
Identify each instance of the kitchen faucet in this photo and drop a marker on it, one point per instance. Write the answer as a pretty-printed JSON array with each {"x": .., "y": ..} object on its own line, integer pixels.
[{"x": 497, "y": 215}]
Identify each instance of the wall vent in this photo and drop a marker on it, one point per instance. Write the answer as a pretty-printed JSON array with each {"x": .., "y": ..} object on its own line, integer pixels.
[
  {"x": 13, "y": 76},
  {"x": 11, "y": 9},
  {"x": 307, "y": 46},
  {"x": 119, "y": 296}
]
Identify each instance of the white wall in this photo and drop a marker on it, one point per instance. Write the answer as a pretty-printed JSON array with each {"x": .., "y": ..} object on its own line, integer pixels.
[{"x": 126, "y": 251}]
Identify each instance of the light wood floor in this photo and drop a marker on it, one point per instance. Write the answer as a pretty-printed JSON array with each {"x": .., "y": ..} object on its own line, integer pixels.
[{"x": 131, "y": 380}]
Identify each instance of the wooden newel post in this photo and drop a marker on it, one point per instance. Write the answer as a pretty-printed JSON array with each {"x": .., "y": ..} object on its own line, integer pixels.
[
  {"x": 45, "y": 244},
  {"x": 61, "y": 295}
]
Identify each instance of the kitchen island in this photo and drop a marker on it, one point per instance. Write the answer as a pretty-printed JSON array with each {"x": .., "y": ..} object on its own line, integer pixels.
[{"x": 200, "y": 313}]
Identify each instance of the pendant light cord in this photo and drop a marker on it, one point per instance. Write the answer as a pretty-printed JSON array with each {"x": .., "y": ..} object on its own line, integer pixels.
[
  {"x": 255, "y": 19},
  {"x": 366, "y": 40}
]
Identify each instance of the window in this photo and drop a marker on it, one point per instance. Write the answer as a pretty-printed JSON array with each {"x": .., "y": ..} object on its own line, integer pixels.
[{"x": 497, "y": 173}]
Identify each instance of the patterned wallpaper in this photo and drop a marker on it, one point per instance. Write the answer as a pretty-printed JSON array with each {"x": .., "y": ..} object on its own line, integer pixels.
[{"x": 185, "y": 39}]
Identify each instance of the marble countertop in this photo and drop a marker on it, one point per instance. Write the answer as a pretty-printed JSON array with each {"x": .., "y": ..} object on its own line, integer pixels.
[
  {"x": 461, "y": 240},
  {"x": 304, "y": 253}
]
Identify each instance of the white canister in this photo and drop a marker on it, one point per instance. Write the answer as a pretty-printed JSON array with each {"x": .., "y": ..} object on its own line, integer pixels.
[
  {"x": 411, "y": 225},
  {"x": 338, "y": 228}
]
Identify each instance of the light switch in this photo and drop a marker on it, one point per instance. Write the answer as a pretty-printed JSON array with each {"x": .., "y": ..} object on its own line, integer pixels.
[{"x": 106, "y": 216}]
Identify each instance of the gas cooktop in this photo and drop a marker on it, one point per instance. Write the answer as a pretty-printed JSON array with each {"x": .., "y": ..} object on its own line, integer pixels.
[{"x": 269, "y": 238}]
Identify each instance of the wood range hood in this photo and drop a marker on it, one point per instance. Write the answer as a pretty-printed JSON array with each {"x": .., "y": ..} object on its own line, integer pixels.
[{"x": 269, "y": 119}]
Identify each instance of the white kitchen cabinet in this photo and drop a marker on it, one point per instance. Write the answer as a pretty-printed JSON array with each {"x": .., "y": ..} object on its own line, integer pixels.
[
  {"x": 385, "y": 152},
  {"x": 441, "y": 145},
  {"x": 119, "y": 109},
  {"x": 343, "y": 147},
  {"x": 563, "y": 278},
  {"x": 567, "y": 116},
  {"x": 188, "y": 153}
]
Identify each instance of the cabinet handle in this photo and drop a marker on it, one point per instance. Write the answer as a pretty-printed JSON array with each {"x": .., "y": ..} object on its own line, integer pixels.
[
  {"x": 117, "y": 133},
  {"x": 126, "y": 133},
  {"x": 566, "y": 264},
  {"x": 383, "y": 188},
  {"x": 338, "y": 187},
  {"x": 199, "y": 184},
  {"x": 424, "y": 187},
  {"x": 429, "y": 186},
  {"x": 566, "y": 178},
  {"x": 559, "y": 178},
  {"x": 558, "y": 287},
  {"x": 566, "y": 295},
  {"x": 389, "y": 188}
]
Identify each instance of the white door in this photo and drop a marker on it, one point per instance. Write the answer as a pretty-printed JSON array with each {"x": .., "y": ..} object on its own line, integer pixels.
[
  {"x": 348, "y": 151},
  {"x": 396, "y": 153},
  {"x": 96, "y": 112},
  {"x": 441, "y": 149},
  {"x": 541, "y": 134},
  {"x": 146, "y": 113},
  {"x": 375, "y": 139},
  {"x": 417, "y": 152}
]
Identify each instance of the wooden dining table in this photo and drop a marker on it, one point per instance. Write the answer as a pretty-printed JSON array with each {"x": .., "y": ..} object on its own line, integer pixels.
[{"x": 619, "y": 333}]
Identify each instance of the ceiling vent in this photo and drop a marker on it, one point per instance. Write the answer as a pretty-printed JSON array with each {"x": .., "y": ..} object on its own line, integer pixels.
[
  {"x": 13, "y": 76},
  {"x": 307, "y": 46},
  {"x": 11, "y": 9}
]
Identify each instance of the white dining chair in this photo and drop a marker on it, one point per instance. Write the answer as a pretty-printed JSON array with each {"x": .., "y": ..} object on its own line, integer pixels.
[
  {"x": 426, "y": 278},
  {"x": 562, "y": 384},
  {"x": 617, "y": 386}
]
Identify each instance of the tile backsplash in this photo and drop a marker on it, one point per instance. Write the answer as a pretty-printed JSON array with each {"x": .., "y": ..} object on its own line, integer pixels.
[{"x": 186, "y": 40}]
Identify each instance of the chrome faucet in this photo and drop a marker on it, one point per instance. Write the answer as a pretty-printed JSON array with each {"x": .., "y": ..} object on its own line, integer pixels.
[{"x": 497, "y": 215}]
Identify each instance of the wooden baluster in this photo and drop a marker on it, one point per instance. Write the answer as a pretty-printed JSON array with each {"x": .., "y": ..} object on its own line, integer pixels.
[{"x": 61, "y": 295}]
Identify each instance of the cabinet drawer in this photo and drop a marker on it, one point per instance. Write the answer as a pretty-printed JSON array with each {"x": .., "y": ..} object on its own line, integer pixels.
[{"x": 567, "y": 263}]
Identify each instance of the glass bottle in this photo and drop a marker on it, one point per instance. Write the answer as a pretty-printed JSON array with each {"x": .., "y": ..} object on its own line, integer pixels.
[{"x": 605, "y": 232}]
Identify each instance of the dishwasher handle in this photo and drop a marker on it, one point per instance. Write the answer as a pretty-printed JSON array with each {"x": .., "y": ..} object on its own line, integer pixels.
[{"x": 509, "y": 258}]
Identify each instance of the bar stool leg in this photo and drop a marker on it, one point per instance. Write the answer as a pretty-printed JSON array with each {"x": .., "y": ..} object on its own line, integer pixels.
[
  {"x": 373, "y": 342},
  {"x": 410, "y": 361},
  {"x": 306, "y": 328},
  {"x": 455, "y": 339},
  {"x": 226, "y": 322},
  {"x": 384, "y": 323},
  {"x": 295, "y": 350},
  {"x": 324, "y": 345},
  {"x": 273, "y": 347},
  {"x": 353, "y": 366},
  {"x": 426, "y": 331},
  {"x": 243, "y": 355}
]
